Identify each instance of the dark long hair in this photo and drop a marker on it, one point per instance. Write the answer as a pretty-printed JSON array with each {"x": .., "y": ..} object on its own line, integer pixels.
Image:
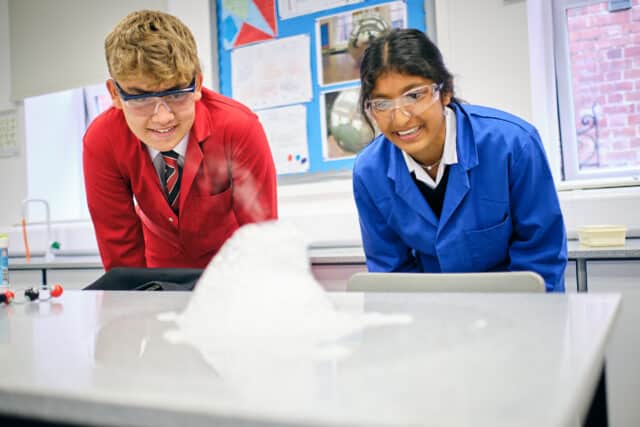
[{"x": 404, "y": 51}]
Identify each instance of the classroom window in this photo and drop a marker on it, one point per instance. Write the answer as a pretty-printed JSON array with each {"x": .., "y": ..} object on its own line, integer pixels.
[{"x": 598, "y": 76}]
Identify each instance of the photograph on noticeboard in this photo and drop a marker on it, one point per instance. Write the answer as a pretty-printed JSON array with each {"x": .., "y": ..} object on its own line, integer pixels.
[
  {"x": 343, "y": 38},
  {"x": 344, "y": 130},
  {"x": 246, "y": 22}
]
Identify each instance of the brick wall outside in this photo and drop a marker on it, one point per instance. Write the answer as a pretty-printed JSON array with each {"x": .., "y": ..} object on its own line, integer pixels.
[{"x": 605, "y": 63}]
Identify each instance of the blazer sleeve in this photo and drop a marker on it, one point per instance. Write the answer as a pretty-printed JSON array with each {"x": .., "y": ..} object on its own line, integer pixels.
[
  {"x": 253, "y": 174},
  {"x": 384, "y": 249},
  {"x": 539, "y": 239},
  {"x": 110, "y": 201}
]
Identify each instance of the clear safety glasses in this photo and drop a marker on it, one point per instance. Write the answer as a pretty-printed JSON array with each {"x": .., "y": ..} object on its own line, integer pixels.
[
  {"x": 147, "y": 103},
  {"x": 411, "y": 103}
]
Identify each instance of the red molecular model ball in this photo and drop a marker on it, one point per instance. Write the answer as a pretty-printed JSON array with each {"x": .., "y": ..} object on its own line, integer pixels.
[
  {"x": 56, "y": 290},
  {"x": 6, "y": 297}
]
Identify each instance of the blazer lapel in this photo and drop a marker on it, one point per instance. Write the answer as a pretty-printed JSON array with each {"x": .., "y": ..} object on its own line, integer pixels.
[
  {"x": 192, "y": 161},
  {"x": 200, "y": 131}
]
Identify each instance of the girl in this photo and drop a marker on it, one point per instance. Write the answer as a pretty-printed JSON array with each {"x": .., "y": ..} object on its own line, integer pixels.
[{"x": 446, "y": 186}]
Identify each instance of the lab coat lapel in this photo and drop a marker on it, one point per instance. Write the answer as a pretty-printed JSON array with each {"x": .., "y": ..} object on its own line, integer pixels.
[
  {"x": 458, "y": 185},
  {"x": 457, "y": 189},
  {"x": 406, "y": 189}
]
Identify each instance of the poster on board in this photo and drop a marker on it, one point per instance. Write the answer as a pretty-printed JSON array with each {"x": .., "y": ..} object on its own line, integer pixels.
[
  {"x": 342, "y": 39},
  {"x": 292, "y": 8},
  {"x": 247, "y": 21},
  {"x": 286, "y": 130},
  {"x": 345, "y": 131},
  {"x": 272, "y": 73}
]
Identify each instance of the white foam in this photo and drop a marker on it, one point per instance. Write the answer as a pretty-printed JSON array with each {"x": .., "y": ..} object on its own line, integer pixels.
[{"x": 258, "y": 296}]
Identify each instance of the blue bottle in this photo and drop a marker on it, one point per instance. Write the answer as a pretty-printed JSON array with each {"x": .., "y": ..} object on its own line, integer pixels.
[{"x": 4, "y": 261}]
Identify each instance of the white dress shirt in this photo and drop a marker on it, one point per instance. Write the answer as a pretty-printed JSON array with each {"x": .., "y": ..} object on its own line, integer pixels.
[
  {"x": 158, "y": 161},
  {"x": 449, "y": 153}
]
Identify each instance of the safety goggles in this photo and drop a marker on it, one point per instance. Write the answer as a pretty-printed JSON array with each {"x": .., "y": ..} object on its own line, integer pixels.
[
  {"x": 147, "y": 103},
  {"x": 412, "y": 102}
]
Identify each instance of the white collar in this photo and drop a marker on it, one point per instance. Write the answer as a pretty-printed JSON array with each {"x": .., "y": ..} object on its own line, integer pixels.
[
  {"x": 180, "y": 148},
  {"x": 449, "y": 152}
]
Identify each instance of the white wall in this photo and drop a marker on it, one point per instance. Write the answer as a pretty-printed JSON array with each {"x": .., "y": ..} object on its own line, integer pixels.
[
  {"x": 67, "y": 36},
  {"x": 197, "y": 15},
  {"x": 484, "y": 44},
  {"x": 13, "y": 180}
]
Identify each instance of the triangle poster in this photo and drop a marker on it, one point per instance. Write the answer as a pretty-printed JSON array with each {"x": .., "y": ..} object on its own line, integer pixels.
[{"x": 247, "y": 21}]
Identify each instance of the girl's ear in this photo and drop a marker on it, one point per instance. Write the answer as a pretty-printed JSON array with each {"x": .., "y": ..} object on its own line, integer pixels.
[
  {"x": 113, "y": 91},
  {"x": 446, "y": 98}
]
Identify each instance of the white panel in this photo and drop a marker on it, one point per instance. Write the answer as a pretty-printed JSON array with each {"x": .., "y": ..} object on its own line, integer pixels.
[
  {"x": 570, "y": 280},
  {"x": 623, "y": 368},
  {"x": 69, "y": 279},
  {"x": 334, "y": 277},
  {"x": 53, "y": 145},
  {"x": 58, "y": 45},
  {"x": 22, "y": 279},
  {"x": 73, "y": 279},
  {"x": 324, "y": 211}
]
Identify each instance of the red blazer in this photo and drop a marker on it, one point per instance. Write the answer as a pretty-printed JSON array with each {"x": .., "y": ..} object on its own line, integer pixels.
[{"x": 228, "y": 180}]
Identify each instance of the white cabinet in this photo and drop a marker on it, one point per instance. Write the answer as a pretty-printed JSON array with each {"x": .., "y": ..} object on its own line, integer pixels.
[
  {"x": 68, "y": 278},
  {"x": 334, "y": 277},
  {"x": 623, "y": 351}
]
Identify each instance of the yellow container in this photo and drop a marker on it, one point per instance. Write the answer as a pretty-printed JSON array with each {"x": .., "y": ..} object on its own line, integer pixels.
[{"x": 602, "y": 235}]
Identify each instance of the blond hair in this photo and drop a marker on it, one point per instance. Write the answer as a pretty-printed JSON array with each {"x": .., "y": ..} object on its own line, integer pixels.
[{"x": 152, "y": 45}]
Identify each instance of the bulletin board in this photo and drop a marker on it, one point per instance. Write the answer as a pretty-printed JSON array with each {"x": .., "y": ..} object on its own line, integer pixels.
[{"x": 296, "y": 64}]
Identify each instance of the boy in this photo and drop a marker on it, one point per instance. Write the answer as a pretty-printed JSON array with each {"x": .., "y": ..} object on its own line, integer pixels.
[{"x": 172, "y": 169}]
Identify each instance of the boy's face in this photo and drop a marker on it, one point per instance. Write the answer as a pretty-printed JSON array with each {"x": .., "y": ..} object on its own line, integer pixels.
[{"x": 158, "y": 121}]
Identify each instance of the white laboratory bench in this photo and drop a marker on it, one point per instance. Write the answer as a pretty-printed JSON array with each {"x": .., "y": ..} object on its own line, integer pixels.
[{"x": 99, "y": 358}]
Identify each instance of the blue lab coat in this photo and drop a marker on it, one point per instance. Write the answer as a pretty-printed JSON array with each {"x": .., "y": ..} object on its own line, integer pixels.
[{"x": 500, "y": 211}]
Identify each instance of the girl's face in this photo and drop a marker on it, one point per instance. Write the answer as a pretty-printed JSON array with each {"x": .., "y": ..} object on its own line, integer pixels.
[{"x": 409, "y": 110}]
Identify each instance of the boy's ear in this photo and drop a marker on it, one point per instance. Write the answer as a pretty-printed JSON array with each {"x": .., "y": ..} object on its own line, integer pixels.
[
  {"x": 113, "y": 91},
  {"x": 198, "y": 92}
]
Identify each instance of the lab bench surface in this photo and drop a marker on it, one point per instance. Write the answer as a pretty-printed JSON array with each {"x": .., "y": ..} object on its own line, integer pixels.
[{"x": 480, "y": 359}]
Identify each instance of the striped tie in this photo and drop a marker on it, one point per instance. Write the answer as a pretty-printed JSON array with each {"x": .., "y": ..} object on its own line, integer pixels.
[{"x": 172, "y": 178}]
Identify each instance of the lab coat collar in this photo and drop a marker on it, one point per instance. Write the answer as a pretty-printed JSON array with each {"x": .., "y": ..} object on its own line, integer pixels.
[
  {"x": 458, "y": 182},
  {"x": 466, "y": 143}
]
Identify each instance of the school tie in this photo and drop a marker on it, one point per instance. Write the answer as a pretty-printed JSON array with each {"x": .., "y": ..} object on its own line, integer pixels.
[{"x": 172, "y": 177}]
